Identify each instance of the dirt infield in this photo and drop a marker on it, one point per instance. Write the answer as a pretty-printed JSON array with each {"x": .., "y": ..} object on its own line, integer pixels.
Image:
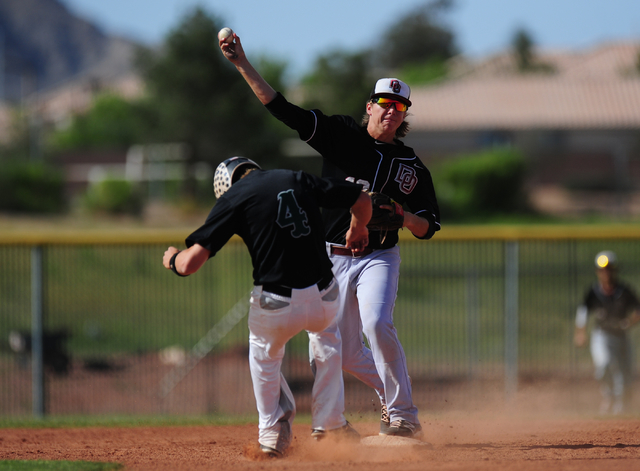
[{"x": 461, "y": 442}]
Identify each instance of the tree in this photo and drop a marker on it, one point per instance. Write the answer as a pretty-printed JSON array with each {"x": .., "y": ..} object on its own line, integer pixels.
[
  {"x": 201, "y": 100},
  {"x": 524, "y": 55},
  {"x": 111, "y": 122},
  {"x": 417, "y": 43},
  {"x": 418, "y": 37},
  {"x": 523, "y": 50},
  {"x": 29, "y": 183},
  {"x": 339, "y": 84}
]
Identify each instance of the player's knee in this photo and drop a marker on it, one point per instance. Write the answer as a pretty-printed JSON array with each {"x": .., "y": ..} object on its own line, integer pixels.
[{"x": 378, "y": 328}]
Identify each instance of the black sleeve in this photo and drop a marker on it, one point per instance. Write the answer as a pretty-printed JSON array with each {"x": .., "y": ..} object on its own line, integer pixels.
[
  {"x": 332, "y": 192},
  {"x": 590, "y": 299},
  {"x": 218, "y": 228},
  {"x": 633, "y": 298},
  {"x": 298, "y": 119},
  {"x": 423, "y": 203},
  {"x": 333, "y": 137}
]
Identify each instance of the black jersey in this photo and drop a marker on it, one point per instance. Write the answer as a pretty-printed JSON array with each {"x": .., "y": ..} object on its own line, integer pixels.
[
  {"x": 610, "y": 310},
  {"x": 277, "y": 214},
  {"x": 350, "y": 153}
]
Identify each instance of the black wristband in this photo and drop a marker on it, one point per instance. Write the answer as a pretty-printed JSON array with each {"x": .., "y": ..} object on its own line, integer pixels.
[{"x": 172, "y": 264}]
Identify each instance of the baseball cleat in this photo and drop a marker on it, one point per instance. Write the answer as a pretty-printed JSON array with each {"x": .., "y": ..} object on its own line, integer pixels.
[
  {"x": 385, "y": 421},
  {"x": 272, "y": 452},
  {"x": 345, "y": 432},
  {"x": 403, "y": 428}
]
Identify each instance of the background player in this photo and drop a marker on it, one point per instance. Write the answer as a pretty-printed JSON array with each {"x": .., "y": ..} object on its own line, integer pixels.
[
  {"x": 277, "y": 215},
  {"x": 615, "y": 308},
  {"x": 371, "y": 154}
]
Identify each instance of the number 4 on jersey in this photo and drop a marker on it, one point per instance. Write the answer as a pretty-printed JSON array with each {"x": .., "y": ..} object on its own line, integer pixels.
[{"x": 290, "y": 214}]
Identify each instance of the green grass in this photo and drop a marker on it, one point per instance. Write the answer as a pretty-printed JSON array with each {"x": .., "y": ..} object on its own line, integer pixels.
[
  {"x": 127, "y": 421},
  {"x": 40, "y": 465}
]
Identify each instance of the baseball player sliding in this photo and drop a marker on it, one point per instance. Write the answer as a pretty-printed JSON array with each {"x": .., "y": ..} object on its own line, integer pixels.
[
  {"x": 371, "y": 154},
  {"x": 277, "y": 215}
]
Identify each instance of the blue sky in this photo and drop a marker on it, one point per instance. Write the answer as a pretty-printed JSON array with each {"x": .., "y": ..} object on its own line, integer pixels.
[{"x": 298, "y": 31}]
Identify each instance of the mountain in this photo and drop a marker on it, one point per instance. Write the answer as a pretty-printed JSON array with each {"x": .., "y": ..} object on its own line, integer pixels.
[{"x": 43, "y": 45}]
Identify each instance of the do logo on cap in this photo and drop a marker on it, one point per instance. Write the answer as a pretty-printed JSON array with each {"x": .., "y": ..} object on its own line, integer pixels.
[{"x": 392, "y": 88}]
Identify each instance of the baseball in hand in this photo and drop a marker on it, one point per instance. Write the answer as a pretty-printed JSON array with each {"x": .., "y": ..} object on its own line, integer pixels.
[{"x": 226, "y": 35}]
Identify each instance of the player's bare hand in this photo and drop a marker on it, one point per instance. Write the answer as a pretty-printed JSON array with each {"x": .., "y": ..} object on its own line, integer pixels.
[
  {"x": 357, "y": 239},
  {"x": 359, "y": 246},
  {"x": 233, "y": 50},
  {"x": 580, "y": 337},
  {"x": 167, "y": 256}
]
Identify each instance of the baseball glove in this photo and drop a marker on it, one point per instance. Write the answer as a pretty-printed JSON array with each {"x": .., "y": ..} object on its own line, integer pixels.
[{"x": 389, "y": 218}]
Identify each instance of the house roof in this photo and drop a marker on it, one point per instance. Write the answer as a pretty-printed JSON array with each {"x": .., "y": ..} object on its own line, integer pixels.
[{"x": 598, "y": 88}]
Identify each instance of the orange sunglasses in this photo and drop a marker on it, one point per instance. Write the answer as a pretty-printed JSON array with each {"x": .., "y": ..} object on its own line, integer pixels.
[{"x": 388, "y": 102}]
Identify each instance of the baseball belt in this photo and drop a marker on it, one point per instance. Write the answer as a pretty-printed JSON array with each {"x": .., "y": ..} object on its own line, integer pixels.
[{"x": 286, "y": 291}]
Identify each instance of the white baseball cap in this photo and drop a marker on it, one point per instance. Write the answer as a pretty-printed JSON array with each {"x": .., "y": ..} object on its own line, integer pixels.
[
  {"x": 606, "y": 259},
  {"x": 392, "y": 88}
]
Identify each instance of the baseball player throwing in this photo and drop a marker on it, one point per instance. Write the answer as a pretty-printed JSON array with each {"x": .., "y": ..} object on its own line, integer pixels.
[
  {"x": 368, "y": 153},
  {"x": 277, "y": 215}
]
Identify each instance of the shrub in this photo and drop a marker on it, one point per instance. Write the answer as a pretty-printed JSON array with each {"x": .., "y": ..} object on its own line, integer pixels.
[
  {"x": 479, "y": 185},
  {"x": 31, "y": 187},
  {"x": 113, "y": 196}
]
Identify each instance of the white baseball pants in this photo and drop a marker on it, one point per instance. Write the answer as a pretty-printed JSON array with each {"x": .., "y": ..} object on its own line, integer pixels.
[
  {"x": 273, "y": 321},
  {"x": 368, "y": 291},
  {"x": 612, "y": 359}
]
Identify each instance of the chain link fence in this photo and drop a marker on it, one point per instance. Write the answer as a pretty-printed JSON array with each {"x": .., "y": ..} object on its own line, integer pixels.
[{"x": 484, "y": 315}]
